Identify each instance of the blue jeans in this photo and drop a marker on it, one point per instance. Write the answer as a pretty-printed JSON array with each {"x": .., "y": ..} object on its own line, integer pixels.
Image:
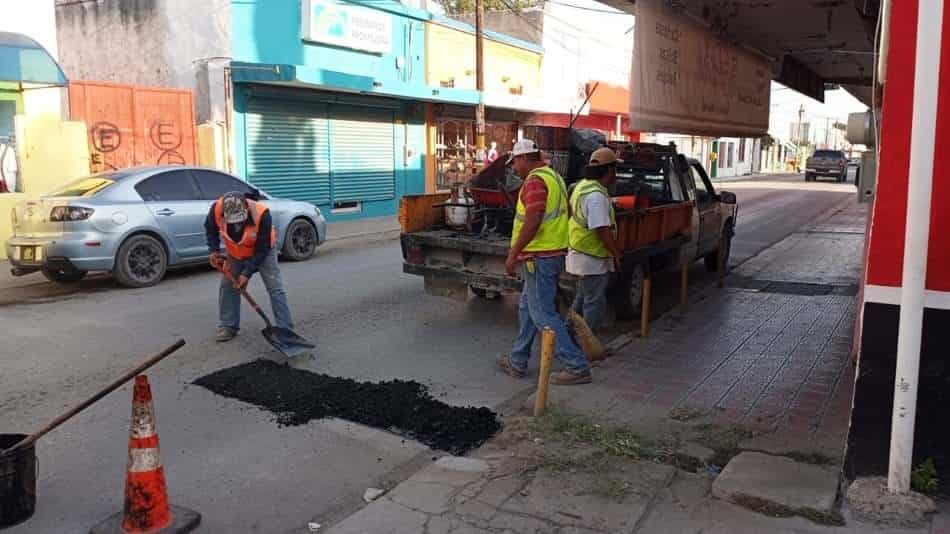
[
  {"x": 229, "y": 299},
  {"x": 590, "y": 302},
  {"x": 538, "y": 309}
]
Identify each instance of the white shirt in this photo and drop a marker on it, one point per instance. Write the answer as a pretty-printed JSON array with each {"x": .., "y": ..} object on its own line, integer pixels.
[{"x": 596, "y": 208}]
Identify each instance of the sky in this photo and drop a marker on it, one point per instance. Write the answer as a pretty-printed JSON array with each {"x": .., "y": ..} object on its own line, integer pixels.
[{"x": 786, "y": 102}]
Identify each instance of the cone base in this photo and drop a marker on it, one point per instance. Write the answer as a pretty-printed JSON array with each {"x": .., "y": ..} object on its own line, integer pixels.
[{"x": 183, "y": 521}]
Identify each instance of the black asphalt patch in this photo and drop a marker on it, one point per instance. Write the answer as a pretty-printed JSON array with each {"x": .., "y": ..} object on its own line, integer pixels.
[{"x": 407, "y": 408}]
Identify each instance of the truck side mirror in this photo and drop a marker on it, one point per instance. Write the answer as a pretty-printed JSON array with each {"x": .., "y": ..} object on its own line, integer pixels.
[{"x": 727, "y": 198}]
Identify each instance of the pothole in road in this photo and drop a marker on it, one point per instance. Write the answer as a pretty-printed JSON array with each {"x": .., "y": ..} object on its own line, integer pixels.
[{"x": 407, "y": 408}]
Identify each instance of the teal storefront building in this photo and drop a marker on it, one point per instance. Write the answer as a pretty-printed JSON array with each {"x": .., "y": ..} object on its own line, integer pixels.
[{"x": 328, "y": 102}]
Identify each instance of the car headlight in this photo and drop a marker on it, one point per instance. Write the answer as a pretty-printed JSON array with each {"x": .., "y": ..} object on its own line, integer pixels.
[{"x": 317, "y": 211}]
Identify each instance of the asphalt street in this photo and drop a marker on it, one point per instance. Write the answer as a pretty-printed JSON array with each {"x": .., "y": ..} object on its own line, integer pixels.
[{"x": 230, "y": 461}]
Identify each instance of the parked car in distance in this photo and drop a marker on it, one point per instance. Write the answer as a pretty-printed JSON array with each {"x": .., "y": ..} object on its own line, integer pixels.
[
  {"x": 831, "y": 163},
  {"x": 137, "y": 223}
]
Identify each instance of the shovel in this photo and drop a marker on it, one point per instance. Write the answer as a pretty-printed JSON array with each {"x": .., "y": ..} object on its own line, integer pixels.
[{"x": 285, "y": 340}]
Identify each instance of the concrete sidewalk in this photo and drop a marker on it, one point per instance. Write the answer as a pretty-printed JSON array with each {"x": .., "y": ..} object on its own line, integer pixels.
[{"x": 731, "y": 418}]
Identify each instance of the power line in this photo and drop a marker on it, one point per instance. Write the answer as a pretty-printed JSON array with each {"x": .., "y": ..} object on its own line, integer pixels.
[
  {"x": 594, "y": 9},
  {"x": 580, "y": 31}
]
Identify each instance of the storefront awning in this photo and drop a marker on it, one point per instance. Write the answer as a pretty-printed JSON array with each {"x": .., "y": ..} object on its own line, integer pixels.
[
  {"x": 332, "y": 80},
  {"x": 25, "y": 63}
]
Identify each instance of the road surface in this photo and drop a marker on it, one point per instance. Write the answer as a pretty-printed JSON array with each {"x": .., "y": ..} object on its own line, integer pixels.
[{"x": 230, "y": 461}]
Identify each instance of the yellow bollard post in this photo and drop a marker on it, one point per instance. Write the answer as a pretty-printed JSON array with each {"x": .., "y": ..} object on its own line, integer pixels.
[
  {"x": 544, "y": 374},
  {"x": 684, "y": 287},
  {"x": 645, "y": 308}
]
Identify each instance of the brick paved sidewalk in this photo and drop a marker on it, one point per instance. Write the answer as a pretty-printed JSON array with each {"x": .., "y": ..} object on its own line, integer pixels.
[
  {"x": 771, "y": 355},
  {"x": 763, "y": 366}
]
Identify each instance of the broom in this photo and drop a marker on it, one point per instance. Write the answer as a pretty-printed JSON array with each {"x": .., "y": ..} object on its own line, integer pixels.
[{"x": 590, "y": 344}]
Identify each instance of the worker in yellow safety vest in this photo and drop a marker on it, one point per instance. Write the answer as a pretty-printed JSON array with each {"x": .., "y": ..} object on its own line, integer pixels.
[
  {"x": 594, "y": 252},
  {"x": 539, "y": 242}
]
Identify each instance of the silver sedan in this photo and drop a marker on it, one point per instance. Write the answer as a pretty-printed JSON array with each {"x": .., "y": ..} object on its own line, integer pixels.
[{"x": 136, "y": 223}]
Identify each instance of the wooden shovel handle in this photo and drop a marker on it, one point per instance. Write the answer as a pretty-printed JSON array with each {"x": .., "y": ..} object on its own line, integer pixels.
[{"x": 31, "y": 439}]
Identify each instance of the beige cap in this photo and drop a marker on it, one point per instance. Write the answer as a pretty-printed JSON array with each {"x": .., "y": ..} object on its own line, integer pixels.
[{"x": 604, "y": 156}]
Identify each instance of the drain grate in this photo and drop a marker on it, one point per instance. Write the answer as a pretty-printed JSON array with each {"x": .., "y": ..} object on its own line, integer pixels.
[
  {"x": 808, "y": 289},
  {"x": 798, "y": 288}
]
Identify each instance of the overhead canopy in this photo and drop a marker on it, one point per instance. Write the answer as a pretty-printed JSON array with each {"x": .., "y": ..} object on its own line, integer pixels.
[
  {"x": 810, "y": 42},
  {"x": 25, "y": 63}
]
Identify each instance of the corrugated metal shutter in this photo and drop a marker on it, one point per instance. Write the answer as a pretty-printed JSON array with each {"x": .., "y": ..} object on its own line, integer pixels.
[
  {"x": 288, "y": 149},
  {"x": 362, "y": 154}
]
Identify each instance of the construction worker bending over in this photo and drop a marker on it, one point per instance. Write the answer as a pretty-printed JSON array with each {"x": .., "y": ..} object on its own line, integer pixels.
[
  {"x": 539, "y": 242},
  {"x": 249, "y": 236},
  {"x": 594, "y": 252}
]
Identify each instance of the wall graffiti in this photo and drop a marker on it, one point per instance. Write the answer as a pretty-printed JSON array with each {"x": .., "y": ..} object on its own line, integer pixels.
[
  {"x": 166, "y": 137},
  {"x": 133, "y": 125}
]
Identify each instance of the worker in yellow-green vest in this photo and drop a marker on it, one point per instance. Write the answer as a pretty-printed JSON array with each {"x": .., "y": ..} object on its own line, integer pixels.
[
  {"x": 539, "y": 242},
  {"x": 594, "y": 252}
]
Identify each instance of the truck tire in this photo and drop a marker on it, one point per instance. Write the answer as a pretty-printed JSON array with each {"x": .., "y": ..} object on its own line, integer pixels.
[
  {"x": 485, "y": 294},
  {"x": 141, "y": 261},
  {"x": 627, "y": 294},
  {"x": 711, "y": 260}
]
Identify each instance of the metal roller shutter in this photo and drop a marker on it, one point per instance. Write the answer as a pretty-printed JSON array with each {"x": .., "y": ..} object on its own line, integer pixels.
[
  {"x": 288, "y": 149},
  {"x": 362, "y": 154}
]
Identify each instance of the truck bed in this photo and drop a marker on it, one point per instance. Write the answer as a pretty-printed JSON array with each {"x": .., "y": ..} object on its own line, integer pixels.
[{"x": 452, "y": 260}]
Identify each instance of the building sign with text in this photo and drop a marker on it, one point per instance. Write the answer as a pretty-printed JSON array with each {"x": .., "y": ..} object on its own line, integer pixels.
[
  {"x": 347, "y": 25},
  {"x": 686, "y": 80}
]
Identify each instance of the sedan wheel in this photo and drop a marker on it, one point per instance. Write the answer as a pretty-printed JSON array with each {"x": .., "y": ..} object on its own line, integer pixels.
[
  {"x": 301, "y": 241},
  {"x": 141, "y": 262}
]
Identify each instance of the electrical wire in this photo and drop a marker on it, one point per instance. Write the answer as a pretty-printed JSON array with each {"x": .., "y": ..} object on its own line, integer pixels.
[
  {"x": 572, "y": 50},
  {"x": 594, "y": 9}
]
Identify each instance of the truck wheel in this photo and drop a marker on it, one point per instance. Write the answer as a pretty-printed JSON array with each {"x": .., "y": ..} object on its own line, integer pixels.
[
  {"x": 63, "y": 276},
  {"x": 627, "y": 295},
  {"x": 141, "y": 261},
  {"x": 485, "y": 294},
  {"x": 711, "y": 260}
]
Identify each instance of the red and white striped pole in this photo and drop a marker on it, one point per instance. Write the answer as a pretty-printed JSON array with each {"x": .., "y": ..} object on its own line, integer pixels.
[{"x": 916, "y": 242}]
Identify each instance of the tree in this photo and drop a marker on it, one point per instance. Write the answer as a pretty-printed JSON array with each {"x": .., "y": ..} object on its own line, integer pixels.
[{"x": 462, "y": 7}]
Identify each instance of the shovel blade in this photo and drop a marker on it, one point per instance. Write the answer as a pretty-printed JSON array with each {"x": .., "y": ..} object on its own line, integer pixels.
[{"x": 287, "y": 342}]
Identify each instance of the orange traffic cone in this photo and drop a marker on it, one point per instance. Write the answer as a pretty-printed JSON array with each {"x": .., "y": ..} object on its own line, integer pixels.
[{"x": 146, "y": 508}]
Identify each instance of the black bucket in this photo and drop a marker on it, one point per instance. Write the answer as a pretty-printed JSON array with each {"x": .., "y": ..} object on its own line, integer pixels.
[{"x": 17, "y": 481}]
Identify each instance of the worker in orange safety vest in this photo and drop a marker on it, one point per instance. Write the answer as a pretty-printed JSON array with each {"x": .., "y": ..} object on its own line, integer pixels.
[{"x": 246, "y": 229}]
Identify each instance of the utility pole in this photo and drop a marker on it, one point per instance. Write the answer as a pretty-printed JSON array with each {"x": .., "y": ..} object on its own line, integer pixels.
[
  {"x": 480, "y": 152},
  {"x": 827, "y": 132},
  {"x": 801, "y": 115}
]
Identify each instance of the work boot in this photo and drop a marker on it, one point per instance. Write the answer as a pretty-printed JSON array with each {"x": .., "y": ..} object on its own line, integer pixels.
[
  {"x": 224, "y": 335},
  {"x": 567, "y": 378},
  {"x": 504, "y": 361}
]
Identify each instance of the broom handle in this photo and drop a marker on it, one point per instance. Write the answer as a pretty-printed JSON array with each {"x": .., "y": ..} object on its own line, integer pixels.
[{"x": 31, "y": 439}]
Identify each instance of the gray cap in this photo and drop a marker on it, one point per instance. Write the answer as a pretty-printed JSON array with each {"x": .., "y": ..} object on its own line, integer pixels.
[{"x": 234, "y": 207}]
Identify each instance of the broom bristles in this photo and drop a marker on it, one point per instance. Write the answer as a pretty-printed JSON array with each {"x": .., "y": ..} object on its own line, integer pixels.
[{"x": 590, "y": 344}]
